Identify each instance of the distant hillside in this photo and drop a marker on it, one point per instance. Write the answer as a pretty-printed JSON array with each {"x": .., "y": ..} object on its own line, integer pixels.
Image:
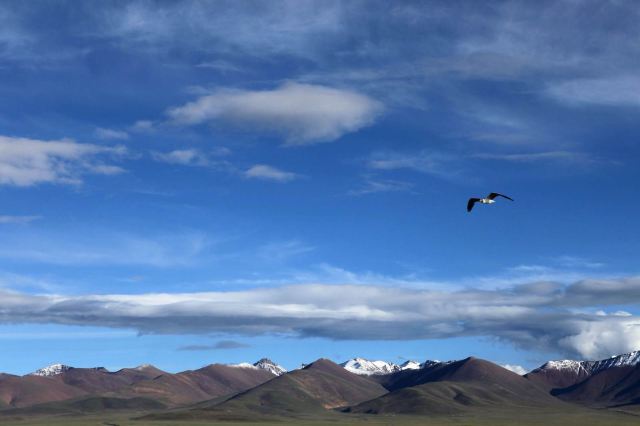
[{"x": 317, "y": 387}]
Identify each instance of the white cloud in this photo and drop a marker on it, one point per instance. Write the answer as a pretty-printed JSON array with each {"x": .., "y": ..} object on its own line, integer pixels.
[
  {"x": 103, "y": 133},
  {"x": 520, "y": 315},
  {"x": 518, "y": 369},
  {"x": 265, "y": 172},
  {"x": 27, "y": 162},
  {"x": 302, "y": 113}
]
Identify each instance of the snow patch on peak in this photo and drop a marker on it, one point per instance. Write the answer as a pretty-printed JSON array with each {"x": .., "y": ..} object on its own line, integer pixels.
[
  {"x": 410, "y": 365},
  {"x": 244, "y": 365},
  {"x": 144, "y": 367},
  {"x": 263, "y": 364},
  {"x": 366, "y": 367},
  {"x": 270, "y": 366},
  {"x": 52, "y": 370},
  {"x": 591, "y": 367}
]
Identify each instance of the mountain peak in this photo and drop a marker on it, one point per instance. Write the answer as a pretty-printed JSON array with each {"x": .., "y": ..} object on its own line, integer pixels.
[
  {"x": 51, "y": 370},
  {"x": 270, "y": 366}
]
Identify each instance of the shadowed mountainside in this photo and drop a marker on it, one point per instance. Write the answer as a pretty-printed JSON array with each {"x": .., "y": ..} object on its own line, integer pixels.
[{"x": 618, "y": 386}]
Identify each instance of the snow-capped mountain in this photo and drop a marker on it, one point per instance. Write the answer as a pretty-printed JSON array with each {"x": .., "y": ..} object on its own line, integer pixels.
[
  {"x": 591, "y": 367},
  {"x": 264, "y": 364},
  {"x": 365, "y": 367},
  {"x": 52, "y": 370}
]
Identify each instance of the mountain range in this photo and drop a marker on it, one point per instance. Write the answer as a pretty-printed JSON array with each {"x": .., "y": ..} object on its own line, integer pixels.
[{"x": 355, "y": 387}]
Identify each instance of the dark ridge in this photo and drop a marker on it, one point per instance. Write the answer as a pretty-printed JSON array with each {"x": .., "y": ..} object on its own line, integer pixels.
[{"x": 456, "y": 388}]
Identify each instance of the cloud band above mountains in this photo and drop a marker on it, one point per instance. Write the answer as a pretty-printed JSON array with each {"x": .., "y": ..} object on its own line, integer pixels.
[{"x": 542, "y": 316}]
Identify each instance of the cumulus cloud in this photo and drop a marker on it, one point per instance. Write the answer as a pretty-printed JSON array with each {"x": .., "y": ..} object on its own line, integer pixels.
[
  {"x": 265, "y": 172},
  {"x": 522, "y": 316},
  {"x": 302, "y": 113},
  {"x": 27, "y": 162}
]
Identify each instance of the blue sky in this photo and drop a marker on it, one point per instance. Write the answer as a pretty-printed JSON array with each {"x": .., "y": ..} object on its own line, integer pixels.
[{"x": 292, "y": 177}]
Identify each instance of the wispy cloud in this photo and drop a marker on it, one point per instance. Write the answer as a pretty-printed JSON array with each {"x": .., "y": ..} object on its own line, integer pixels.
[
  {"x": 433, "y": 163},
  {"x": 609, "y": 91},
  {"x": 282, "y": 250},
  {"x": 535, "y": 157},
  {"x": 103, "y": 133},
  {"x": 143, "y": 126},
  {"x": 107, "y": 248},
  {"x": 21, "y": 220},
  {"x": 185, "y": 157},
  {"x": 221, "y": 345},
  {"x": 266, "y": 172},
  {"x": 303, "y": 114},
  {"x": 27, "y": 162},
  {"x": 561, "y": 318},
  {"x": 374, "y": 185}
]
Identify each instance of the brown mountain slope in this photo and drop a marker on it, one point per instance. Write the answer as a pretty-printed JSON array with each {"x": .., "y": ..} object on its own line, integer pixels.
[
  {"x": 193, "y": 386},
  {"x": 611, "y": 387},
  {"x": 16, "y": 391},
  {"x": 96, "y": 380},
  {"x": 457, "y": 387},
  {"x": 322, "y": 384},
  {"x": 319, "y": 386}
]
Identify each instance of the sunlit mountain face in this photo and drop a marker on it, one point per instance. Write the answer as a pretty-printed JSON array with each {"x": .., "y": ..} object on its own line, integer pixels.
[{"x": 192, "y": 183}]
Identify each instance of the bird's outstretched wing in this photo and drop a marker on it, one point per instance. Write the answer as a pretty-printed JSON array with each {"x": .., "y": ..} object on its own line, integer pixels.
[
  {"x": 471, "y": 202},
  {"x": 495, "y": 194}
]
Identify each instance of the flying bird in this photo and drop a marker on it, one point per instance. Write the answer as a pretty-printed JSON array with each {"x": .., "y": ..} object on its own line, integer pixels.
[{"x": 490, "y": 199}]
